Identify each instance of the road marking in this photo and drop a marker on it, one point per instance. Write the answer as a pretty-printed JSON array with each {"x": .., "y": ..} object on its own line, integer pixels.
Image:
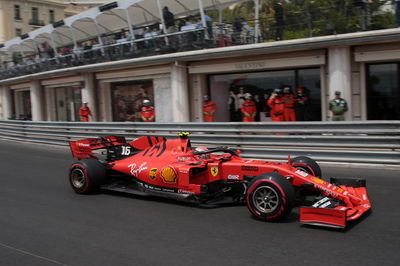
[{"x": 31, "y": 254}]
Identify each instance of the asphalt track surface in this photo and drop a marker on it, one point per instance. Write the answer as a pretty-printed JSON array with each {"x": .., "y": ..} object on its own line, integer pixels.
[{"x": 43, "y": 222}]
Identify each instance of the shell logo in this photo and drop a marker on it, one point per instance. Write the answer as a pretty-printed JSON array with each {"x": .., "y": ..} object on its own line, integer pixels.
[{"x": 169, "y": 175}]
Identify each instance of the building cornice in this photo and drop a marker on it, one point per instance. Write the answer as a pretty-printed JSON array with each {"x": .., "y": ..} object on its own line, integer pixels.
[{"x": 48, "y": 3}]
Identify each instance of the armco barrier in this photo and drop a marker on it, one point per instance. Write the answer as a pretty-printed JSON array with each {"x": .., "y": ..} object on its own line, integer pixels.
[{"x": 375, "y": 142}]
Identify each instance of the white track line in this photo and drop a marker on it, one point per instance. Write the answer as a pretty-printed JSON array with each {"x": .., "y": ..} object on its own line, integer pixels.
[{"x": 31, "y": 254}]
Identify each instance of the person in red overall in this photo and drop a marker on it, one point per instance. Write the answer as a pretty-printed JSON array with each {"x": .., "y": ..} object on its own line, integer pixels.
[
  {"x": 84, "y": 112},
  {"x": 249, "y": 109},
  {"x": 147, "y": 111},
  {"x": 209, "y": 108},
  {"x": 277, "y": 104},
  {"x": 290, "y": 105}
]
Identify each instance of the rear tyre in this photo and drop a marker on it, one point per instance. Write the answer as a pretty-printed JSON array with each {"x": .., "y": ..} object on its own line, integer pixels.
[
  {"x": 307, "y": 165},
  {"x": 87, "y": 176},
  {"x": 270, "y": 197}
]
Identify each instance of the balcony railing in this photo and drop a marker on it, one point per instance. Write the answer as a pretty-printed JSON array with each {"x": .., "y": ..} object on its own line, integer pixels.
[
  {"x": 36, "y": 22},
  {"x": 302, "y": 23}
]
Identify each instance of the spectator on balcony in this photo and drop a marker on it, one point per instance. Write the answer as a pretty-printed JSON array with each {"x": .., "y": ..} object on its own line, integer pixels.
[
  {"x": 237, "y": 29},
  {"x": 117, "y": 36},
  {"x": 15, "y": 59},
  {"x": 128, "y": 36},
  {"x": 104, "y": 39},
  {"x": 48, "y": 49},
  {"x": 189, "y": 20},
  {"x": 397, "y": 10},
  {"x": 138, "y": 33},
  {"x": 169, "y": 20},
  {"x": 30, "y": 60},
  {"x": 65, "y": 51},
  {"x": 87, "y": 48},
  {"x": 245, "y": 35},
  {"x": 181, "y": 24},
  {"x": 209, "y": 25},
  {"x": 363, "y": 12},
  {"x": 279, "y": 22},
  {"x": 78, "y": 50}
]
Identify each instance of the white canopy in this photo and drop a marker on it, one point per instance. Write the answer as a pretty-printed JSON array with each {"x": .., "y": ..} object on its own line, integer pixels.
[{"x": 108, "y": 18}]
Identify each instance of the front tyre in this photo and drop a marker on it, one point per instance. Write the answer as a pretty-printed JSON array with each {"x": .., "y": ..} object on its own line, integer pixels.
[
  {"x": 86, "y": 176},
  {"x": 307, "y": 165},
  {"x": 270, "y": 197}
]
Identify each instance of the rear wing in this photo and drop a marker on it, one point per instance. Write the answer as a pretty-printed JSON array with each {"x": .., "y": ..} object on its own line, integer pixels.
[{"x": 82, "y": 149}]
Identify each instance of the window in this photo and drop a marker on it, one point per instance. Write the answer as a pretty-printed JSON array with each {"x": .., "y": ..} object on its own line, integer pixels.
[
  {"x": 18, "y": 32},
  {"x": 127, "y": 99},
  {"x": 17, "y": 12},
  {"x": 67, "y": 103},
  {"x": 35, "y": 14},
  {"x": 51, "y": 16},
  {"x": 383, "y": 91},
  {"x": 227, "y": 91},
  {"x": 34, "y": 21}
]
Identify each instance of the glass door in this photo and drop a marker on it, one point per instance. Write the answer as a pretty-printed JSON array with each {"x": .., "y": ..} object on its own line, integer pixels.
[
  {"x": 68, "y": 101},
  {"x": 383, "y": 92}
]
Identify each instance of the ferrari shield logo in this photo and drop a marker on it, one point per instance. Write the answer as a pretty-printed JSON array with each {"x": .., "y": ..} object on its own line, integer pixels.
[
  {"x": 153, "y": 172},
  {"x": 214, "y": 171}
]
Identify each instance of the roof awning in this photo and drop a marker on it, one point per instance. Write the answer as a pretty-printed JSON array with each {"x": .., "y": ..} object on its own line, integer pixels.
[{"x": 110, "y": 18}]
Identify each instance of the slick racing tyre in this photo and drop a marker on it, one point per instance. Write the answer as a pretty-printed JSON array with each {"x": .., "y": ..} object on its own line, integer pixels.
[
  {"x": 86, "y": 176},
  {"x": 270, "y": 197},
  {"x": 307, "y": 165}
]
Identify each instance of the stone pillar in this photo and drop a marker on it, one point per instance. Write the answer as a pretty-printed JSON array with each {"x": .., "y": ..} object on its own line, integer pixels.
[
  {"x": 1, "y": 104},
  {"x": 198, "y": 88},
  {"x": 105, "y": 102},
  {"x": 180, "y": 92},
  {"x": 339, "y": 69},
  {"x": 162, "y": 98},
  {"x": 363, "y": 91},
  {"x": 37, "y": 101},
  {"x": 7, "y": 103},
  {"x": 324, "y": 94},
  {"x": 89, "y": 93},
  {"x": 50, "y": 104}
]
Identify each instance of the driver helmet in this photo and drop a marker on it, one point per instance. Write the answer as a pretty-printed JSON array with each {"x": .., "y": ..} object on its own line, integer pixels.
[
  {"x": 286, "y": 90},
  {"x": 146, "y": 102},
  {"x": 279, "y": 92},
  {"x": 299, "y": 90},
  {"x": 247, "y": 96},
  {"x": 203, "y": 156}
]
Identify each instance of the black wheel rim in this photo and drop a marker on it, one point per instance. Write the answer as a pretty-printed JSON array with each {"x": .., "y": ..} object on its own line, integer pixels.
[
  {"x": 266, "y": 199},
  {"x": 78, "y": 178}
]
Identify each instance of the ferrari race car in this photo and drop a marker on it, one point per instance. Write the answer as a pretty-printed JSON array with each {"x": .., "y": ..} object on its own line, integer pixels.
[{"x": 155, "y": 166}]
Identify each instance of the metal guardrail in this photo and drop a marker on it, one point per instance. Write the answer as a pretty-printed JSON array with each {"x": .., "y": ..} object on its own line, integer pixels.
[{"x": 354, "y": 142}]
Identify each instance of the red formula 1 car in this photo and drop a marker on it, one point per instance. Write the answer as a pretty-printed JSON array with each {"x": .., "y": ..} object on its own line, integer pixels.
[{"x": 172, "y": 168}]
